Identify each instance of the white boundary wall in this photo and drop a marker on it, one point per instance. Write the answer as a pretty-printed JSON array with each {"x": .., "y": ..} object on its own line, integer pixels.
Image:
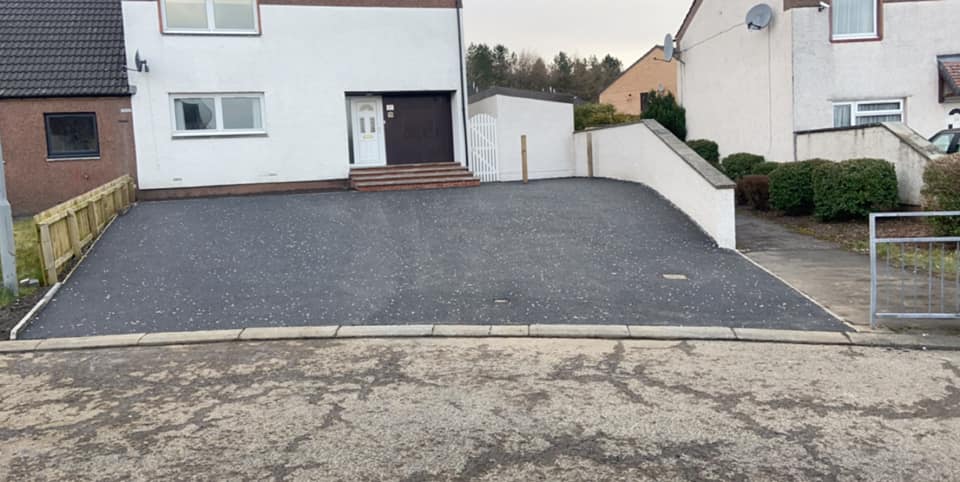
[
  {"x": 548, "y": 126},
  {"x": 892, "y": 141},
  {"x": 647, "y": 153}
]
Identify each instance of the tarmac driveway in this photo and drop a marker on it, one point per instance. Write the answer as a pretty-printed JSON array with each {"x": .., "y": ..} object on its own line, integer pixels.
[{"x": 566, "y": 251}]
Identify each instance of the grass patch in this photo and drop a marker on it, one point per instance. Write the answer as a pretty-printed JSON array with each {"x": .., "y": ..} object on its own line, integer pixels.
[
  {"x": 28, "y": 258},
  {"x": 920, "y": 259}
]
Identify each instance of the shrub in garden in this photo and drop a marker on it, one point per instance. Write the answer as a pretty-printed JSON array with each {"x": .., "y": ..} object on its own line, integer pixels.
[
  {"x": 663, "y": 108},
  {"x": 853, "y": 189},
  {"x": 598, "y": 115},
  {"x": 755, "y": 191},
  {"x": 941, "y": 192},
  {"x": 740, "y": 164},
  {"x": 765, "y": 168},
  {"x": 707, "y": 149},
  {"x": 791, "y": 187}
]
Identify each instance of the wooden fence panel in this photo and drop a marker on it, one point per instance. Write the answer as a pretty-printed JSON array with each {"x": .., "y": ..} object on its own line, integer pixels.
[{"x": 67, "y": 229}]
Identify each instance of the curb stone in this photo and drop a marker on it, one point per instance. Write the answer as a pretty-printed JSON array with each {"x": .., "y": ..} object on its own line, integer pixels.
[
  {"x": 936, "y": 342},
  {"x": 788, "y": 336},
  {"x": 579, "y": 331},
  {"x": 288, "y": 333}
]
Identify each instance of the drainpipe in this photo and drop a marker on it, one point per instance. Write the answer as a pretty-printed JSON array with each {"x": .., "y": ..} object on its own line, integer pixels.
[{"x": 463, "y": 84}]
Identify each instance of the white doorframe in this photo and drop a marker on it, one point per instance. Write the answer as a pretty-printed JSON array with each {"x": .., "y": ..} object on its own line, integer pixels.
[{"x": 364, "y": 133}]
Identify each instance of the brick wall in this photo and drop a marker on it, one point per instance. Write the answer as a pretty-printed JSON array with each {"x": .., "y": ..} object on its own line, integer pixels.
[
  {"x": 646, "y": 75},
  {"x": 33, "y": 182}
]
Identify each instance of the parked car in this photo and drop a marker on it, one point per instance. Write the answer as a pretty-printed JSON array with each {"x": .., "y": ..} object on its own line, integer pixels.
[{"x": 947, "y": 141}]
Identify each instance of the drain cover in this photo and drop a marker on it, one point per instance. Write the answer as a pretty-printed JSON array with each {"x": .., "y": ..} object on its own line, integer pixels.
[{"x": 675, "y": 277}]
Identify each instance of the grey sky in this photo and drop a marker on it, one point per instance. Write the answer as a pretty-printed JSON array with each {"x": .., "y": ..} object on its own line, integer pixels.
[{"x": 624, "y": 28}]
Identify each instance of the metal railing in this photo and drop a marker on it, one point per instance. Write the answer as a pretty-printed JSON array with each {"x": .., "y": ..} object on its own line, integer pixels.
[{"x": 914, "y": 278}]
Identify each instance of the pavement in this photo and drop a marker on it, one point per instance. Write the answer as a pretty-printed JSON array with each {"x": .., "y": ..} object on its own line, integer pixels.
[
  {"x": 481, "y": 409},
  {"x": 552, "y": 252}
]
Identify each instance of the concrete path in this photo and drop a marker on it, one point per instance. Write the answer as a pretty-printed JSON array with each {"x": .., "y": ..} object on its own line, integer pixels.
[
  {"x": 558, "y": 252},
  {"x": 481, "y": 410},
  {"x": 835, "y": 277}
]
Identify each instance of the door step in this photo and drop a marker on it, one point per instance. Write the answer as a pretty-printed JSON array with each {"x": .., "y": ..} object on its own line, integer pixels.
[{"x": 412, "y": 177}]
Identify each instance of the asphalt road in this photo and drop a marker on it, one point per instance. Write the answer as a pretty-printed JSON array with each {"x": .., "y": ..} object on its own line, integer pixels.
[
  {"x": 566, "y": 251},
  {"x": 429, "y": 409}
]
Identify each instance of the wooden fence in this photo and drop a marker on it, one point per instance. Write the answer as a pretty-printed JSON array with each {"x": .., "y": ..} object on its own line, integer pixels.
[{"x": 66, "y": 229}]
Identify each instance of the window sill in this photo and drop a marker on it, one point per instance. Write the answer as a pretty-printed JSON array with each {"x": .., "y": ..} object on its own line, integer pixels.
[
  {"x": 201, "y": 135},
  {"x": 212, "y": 33},
  {"x": 62, "y": 159},
  {"x": 856, "y": 38}
]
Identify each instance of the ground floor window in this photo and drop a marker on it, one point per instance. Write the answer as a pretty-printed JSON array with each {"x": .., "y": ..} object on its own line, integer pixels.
[
  {"x": 72, "y": 135},
  {"x": 847, "y": 114},
  {"x": 218, "y": 114}
]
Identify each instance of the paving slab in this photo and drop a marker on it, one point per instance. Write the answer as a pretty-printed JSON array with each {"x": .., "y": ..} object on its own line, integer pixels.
[
  {"x": 682, "y": 332},
  {"x": 564, "y": 252},
  {"x": 190, "y": 337},
  {"x": 579, "y": 331},
  {"x": 387, "y": 331},
  {"x": 291, "y": 333},
  {"x": 792, "y": 336},
  {"x": 87, "y": 342},
  {"x": 461, "y": 330}
]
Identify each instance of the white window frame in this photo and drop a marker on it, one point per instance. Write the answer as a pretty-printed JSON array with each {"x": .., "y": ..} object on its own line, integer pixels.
[
  {"x": 218, "y": 131},
  {"x": 858, "y": 36},
  {"x": 855, "y": 112},
  {"x": 211, "y": 22}
]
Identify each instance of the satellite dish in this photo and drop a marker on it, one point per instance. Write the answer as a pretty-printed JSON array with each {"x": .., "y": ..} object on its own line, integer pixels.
[
  {"x": 759, "y": 17},
  {"x": 668, "y": 50},
  {"x": 141, "y": 63}
]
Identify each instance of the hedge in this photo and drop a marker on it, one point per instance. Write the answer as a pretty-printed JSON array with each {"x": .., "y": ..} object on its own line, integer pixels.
[
  {"x": 941, "y": 192},
  {"x": 755, "y": 191},
  {"x": 707, "y": 149},
  {"x": 740, "y": 164},
  {"x": 791, "y": 187},
  {"x": 765, "y": 168},
  {"x": 853, "y": 189}
]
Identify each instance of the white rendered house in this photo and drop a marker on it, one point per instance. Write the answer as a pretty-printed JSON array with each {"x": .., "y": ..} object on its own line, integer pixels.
[
  {"x": 284, "y": 94},
  {"x": 838, "y": 65}
]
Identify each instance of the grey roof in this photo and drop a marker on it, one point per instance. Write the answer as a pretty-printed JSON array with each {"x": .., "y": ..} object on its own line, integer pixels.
[
  {"x": 523, "y": 94},
  {"x": 62, "y": 48}
]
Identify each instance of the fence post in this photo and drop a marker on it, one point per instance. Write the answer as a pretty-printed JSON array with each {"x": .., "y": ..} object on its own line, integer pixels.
[
  {"x": 590, "y": 154},
  {"x": 523, "y": 153},
  {"x": 46, "y": 255},
  {"x": 873, "y": 271},
  {"x": 73, "y": 229}
]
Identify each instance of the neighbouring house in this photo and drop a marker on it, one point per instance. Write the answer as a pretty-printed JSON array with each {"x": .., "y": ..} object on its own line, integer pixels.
[
  {"x": 545, "y": 118},
  {"x": 651, "y": 73},
  {"x": 243, "y": 96},
  {"x": 65, "y": 119},
  {"x": 849, "y": 63}
]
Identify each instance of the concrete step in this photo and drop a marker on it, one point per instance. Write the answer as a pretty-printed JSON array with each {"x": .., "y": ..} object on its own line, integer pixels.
[
  {"x": 409, "y": 175},
  {"x": 439, "y": 166},
  {"x": 418, "y": 184}
]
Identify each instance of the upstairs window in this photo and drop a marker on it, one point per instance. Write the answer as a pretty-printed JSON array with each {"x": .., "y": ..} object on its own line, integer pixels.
[
  {"x": 210, "y": 16},
  {"x": 72, "y": 136},
  {"x": 848, "y": 114},
  {"x": 856, "y": 19}
]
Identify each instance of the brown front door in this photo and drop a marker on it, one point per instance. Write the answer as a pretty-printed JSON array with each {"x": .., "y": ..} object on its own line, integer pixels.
[{"x": 419, "y": 128}]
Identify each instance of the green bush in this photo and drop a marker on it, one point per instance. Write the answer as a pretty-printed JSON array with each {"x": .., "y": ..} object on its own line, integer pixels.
[
  {"x": 598, "y": 115},
  {"x": 664, "y": 109},
  {"x": 707, "y": 149},
  {"x": 765, "y": 168},
  {"x": 755, "y": 191},
  {"x": 941, "y": 192},
  {"x": 791, "y": 187},
  {"x": 740, "y": 164},
  {"x": 853, "y": 189}
]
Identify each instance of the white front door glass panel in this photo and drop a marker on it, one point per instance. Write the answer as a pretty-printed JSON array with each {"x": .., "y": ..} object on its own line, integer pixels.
[{"x": 369, "y": 146}]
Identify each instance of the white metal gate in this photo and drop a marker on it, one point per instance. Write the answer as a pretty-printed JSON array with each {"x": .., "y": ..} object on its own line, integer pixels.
[{"x": 483, "y": 148}]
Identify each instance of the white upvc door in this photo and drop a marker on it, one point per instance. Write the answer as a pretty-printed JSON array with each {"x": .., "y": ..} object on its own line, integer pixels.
[{"x": 369, "y": 146}]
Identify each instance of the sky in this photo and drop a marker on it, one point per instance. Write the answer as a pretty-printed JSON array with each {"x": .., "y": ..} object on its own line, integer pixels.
[{"x": 624, "y": 28}]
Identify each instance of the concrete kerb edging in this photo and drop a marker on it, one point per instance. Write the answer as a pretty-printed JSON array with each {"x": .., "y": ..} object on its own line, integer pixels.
[{"x": 606, "y": 332}]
